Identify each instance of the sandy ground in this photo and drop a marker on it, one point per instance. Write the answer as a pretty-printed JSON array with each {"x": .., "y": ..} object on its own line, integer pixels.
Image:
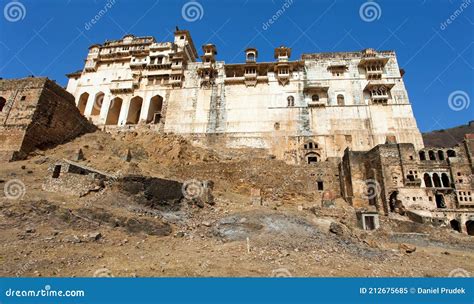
[{"x": 111, "y": 234}]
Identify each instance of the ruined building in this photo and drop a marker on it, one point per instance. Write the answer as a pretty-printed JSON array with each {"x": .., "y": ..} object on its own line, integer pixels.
[
  {"x": 36, "y": 113},
  {"x": 431, "y": 185},
  {"x": 303, "y": 110}
]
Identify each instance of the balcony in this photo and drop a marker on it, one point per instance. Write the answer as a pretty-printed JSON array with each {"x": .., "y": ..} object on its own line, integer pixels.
[
  {"x": 312, "y": 85},
  {"x": 316, "y": 104},
  {"x": 160, "y": 46},
  {"x": 123, "y": 86}
]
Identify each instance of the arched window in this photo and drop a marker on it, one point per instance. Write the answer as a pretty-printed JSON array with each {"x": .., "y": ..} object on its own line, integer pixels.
[
  {"x": 82, "y": 104},
  {"x": 436, "y": 180},
  {"x": 311, "y": 158},
  {"x": 432, "y": 155},
  {"x": 422, "y": 155},
  {"x": 251, "y": 57},
  {"x": 315, "y": 97},
  {"x": 3, "y": 102},
  {"x": 427, "y": 179},
  {"x": 445, "y": 180},
  {"x": 340, "y": 100},
  {"x": 451, "y": 153},
  {"x": 291, "y": 101},
  {"x": 440, "y": 155}
]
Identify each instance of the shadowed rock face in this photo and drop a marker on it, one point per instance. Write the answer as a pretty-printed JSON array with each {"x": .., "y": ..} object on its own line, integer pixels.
[{"x": 447, "y": 137}]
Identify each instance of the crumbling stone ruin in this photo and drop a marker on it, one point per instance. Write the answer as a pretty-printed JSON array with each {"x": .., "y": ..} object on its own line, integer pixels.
[
  {"x": 36, "y": 113},
  {"x": 430, "y": 185}
]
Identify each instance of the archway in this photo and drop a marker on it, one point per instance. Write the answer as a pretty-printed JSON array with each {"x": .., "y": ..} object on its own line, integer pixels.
[
  {"x": 455, "y": 225},
  {"x": 436, "y": 180},
  {"x": 440, "y": 155},
  {"x": 431, "y": 155},
  {"x": 470, "y": 227},
  {"x": 422, "y": 155},
  {"x": 114, "y": 111},
  {"x": 427, "y": 179},
  {"x": 445, "y": 180},
  {"x": 311, "y": 158},
  {"x": 134, "y": 110},
  {"x": 154, "y": 110},
  {"x": 82, "y": 104},
  {"x": 340, "y": 100},
  {"x": 98, "y": 102},
  {"x": 3, "y": 102}
]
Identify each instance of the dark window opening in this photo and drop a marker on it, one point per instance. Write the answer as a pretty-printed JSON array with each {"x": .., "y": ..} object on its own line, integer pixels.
[
  {"x": 427, "y": 179},
  {"x": 320, "y": 186},
  {"x": 57, "y": 171},
  {"x": 451, "y": 153},
  {"x": 3, "y": 101},
  {"x": 422, "y": 155},
  {"x": 315, "y": 97},
  {"x": 440, "y": 201},
  {"x": 470, "y": 227},
  {"x": 312, "y": 159},
  {"x": 436, "y": 181},
  {"x": 369, "y": 222},
  {"x": 440, "y": 155},
  {"x": 445, "y": 180},
  {"x": 23, "y": 97},
  {"x": 432, "y": 155}
]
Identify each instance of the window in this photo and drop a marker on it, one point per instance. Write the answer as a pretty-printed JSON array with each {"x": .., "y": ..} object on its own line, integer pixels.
[
  {"x": 276, "y": 126},
  {"x": 320, "y": 186},
  {"x": 340, "y": 100},
  {"x": 3, "y": 101},
  {"x": 23, "y": 97},
  {"x": 315, "y": 97},
  {"x": 422, "y": 155},
  {"x": 432, "y": 155},
  {"x": 56, "y": 171},
  {"x": 291, "y": 101},
  {"x": 451, "y": 153},
  {"x": 182, "y": 37},
  {"x": 251, "y": 57}
]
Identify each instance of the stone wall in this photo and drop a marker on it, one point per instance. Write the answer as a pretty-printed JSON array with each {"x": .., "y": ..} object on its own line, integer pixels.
[{"x": 38, "y": 113}]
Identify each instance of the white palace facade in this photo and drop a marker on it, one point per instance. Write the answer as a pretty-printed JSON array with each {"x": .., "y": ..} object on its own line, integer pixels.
[{"x": 302, "y": 110}]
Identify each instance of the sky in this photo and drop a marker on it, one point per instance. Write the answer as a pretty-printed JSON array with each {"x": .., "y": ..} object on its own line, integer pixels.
[{"x": 433, "y": 39}]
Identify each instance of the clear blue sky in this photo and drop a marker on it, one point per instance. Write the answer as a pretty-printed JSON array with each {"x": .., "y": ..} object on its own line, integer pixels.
[{"x": 50, "y": 38}]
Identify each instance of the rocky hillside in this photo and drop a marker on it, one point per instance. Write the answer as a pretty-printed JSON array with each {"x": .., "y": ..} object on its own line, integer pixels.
[{"x": 447, "y": 137}]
